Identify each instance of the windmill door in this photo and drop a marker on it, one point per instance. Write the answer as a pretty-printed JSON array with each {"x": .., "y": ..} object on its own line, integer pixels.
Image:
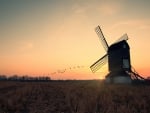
[{"x": 126, "y": 64}]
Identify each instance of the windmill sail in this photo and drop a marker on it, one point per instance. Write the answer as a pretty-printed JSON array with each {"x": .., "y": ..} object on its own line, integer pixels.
[
  {"x": 124, "y": 37},
  {"x": 102, "y": 38},
  {"x": 99, "y": 63}
]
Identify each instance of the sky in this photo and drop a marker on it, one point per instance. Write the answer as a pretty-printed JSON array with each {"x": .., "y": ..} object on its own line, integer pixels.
[{"x": 57, "y": 37}]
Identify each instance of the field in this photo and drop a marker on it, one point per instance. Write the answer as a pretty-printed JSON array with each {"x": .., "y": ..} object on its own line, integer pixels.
[{"x": 73, "y": 97}]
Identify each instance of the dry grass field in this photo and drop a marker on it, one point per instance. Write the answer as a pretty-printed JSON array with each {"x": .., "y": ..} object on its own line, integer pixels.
[{"x": 73, "y": 97}]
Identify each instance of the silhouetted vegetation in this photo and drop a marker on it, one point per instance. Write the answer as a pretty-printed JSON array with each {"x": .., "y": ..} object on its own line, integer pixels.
[
  {"x": 24, "y": 78},
  {"x": 73, "y": 97}
]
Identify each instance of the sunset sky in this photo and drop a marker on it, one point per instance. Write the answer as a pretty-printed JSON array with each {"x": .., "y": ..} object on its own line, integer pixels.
[{"x": 57, "y": 37}]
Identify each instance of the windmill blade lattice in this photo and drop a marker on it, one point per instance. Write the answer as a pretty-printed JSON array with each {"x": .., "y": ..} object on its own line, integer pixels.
[
  {"x": 99, "y": 63},
  {"x": 124, "y": 37},
  {"x": 102, "y": 38}
]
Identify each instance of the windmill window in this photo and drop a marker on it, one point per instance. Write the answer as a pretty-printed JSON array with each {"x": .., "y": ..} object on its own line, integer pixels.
[{"x": 124, "y": 46}]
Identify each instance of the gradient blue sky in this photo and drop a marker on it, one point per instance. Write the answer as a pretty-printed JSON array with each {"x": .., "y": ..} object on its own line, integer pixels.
[{"x": 45, "y": 36}]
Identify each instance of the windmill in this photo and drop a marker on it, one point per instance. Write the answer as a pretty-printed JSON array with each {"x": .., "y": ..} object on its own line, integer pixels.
[{"x": 118, "y": 58}]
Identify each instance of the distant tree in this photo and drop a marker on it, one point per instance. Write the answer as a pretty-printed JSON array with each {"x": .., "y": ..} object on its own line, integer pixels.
[
  {"x": 3, "y": 77},
  {"x": 14, "y": 77},
  {"x": 24, "y": 78},
  {"x": 47, "y": 78}
]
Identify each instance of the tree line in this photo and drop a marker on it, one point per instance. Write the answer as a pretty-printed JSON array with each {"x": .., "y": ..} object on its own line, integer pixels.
[{"x": 24, "y": 78}]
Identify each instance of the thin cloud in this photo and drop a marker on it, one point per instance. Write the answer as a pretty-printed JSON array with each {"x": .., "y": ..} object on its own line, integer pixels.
[
  {"x": 78, "y": 9},
  {"x": 110, "y": 8},
  {"x": 137, "y": 24},
  {"x": 25, "y": 46}
]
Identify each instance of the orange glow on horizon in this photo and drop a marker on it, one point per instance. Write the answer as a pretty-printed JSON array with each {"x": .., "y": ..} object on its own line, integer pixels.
[{"x": 45, "y": 37}]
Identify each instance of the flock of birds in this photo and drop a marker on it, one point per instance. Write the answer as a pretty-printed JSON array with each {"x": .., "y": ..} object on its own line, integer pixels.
[{"x": 66, "y": 69}]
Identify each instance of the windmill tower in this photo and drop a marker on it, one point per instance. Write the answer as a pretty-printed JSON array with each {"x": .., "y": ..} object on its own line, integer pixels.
[{"x": 118, "y": 57}]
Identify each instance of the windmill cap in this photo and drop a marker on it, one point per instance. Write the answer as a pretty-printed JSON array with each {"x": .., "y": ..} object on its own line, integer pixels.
[{"x": 119, "y": 45}]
